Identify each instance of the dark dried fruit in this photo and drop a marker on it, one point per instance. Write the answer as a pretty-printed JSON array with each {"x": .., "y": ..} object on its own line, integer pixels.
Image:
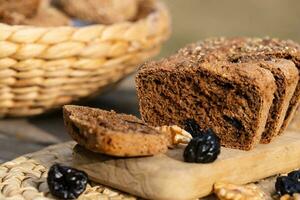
[
  {"x": 234, "y": 122},
  {"x": 191, "y": 126},
  {"x": 295, "y": 175},
  {"x": 204, "y": 148},
  {"x": 66, "y": 182},
  {"x": 286, "y": 185}
]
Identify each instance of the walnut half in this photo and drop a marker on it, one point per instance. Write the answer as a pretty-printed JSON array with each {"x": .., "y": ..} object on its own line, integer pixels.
[
  {"x": 175, "y": 134},
  {"x": 226, "y": 191},
  {"x": 288, "y": 197}
]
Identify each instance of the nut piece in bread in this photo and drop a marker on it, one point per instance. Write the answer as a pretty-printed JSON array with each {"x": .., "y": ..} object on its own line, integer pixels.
[
  {"x": 235, "y": 192},
  {"x": 289, "y": 197}
]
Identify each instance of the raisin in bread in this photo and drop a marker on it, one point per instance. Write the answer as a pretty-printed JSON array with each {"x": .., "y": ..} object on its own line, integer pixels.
[
  {"x": 113, "y": 134},
  {"x": 242, "y": 108}
]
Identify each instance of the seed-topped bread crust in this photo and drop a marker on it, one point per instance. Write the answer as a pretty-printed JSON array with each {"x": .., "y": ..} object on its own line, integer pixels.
[
  {"x": 185, "y": 86},
  {"x": 111, "y": 133}
]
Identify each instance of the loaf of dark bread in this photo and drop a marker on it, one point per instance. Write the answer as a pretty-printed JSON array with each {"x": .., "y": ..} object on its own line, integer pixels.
[
  {"x": 245, "y": 89},
  {"x": 113, "y": 134}
]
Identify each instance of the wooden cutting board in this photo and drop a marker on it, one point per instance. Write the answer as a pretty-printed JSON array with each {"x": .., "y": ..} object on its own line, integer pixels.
[{"x": 167, "y": 177}]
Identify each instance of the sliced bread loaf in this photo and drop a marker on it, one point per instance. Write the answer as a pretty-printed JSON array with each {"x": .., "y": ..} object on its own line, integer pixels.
[
  {"x": 189, "y": 98},
  {"x": 231, "y": 98},
  {"x": 111, "y": 133},
  {"x": 286, "y": 77},
  {"x": 241, "y": 49},
  {"x": 253, "y": 49}
]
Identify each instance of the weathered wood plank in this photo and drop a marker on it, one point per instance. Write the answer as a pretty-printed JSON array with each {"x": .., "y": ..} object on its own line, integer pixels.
[
  {"x": 11, "y": 147},
  {"x": 167, "y": 177},
  {"x": 23, "y": 129}
]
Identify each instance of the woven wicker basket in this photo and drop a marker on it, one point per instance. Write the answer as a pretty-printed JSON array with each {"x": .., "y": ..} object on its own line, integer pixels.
[{"x": 43, "y": 68}]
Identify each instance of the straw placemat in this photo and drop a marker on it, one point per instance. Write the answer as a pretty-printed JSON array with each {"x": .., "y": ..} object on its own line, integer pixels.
[{"x": 25, "y": 177}]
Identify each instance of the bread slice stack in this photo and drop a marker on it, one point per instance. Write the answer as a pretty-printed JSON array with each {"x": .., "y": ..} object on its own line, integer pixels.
[
  {"x": 245, "y": 89},
  {"x": 113, "y": 134}
]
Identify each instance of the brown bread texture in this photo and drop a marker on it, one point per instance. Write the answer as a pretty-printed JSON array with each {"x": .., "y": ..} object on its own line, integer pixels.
[
  {"x": 27, "y": 8},
  {"x": 111, "y": 133},
  {"x": 45, "y": 15},
  {"x": 261, "y": 49},
  {"x": 101, "y": 11},
  {"x": 286, "y": 76},
  {"x": 186, "y": 86}
]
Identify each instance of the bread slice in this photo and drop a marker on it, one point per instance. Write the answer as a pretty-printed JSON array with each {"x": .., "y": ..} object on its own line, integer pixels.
[
  {"x": 233, "y": 99},
  {"x": 111, "y": 133},
  {"x": 255, "y": 49},
  {"x": 286, "y": 76},
  {"x": 264, "y": 49}
]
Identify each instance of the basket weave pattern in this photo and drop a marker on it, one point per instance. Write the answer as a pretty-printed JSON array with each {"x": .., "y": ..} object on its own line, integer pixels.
[
  {"x": 42, "y": 68},
  {"x": 25, "y": 177}
]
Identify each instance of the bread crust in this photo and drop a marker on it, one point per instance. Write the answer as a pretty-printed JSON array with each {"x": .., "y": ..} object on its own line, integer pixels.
[{"x": 286, "y": 76}]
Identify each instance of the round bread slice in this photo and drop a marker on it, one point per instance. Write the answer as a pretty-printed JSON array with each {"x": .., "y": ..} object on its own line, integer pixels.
[{"x": 112, "y": 133}]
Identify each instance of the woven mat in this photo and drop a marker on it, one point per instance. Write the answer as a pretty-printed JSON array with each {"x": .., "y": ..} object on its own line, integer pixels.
[{"x": 25, "y": 177}]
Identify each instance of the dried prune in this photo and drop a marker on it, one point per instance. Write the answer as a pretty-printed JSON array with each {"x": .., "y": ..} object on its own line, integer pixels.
[
  {"x": 295, "y": 175},
  {"x": 191, "y": 126},
  {"x": 204, "y": 148},
  {"x": 234, "y": 122},
  {"x": 66, "y": 182},
  {"x": 286, "y": 185}
]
